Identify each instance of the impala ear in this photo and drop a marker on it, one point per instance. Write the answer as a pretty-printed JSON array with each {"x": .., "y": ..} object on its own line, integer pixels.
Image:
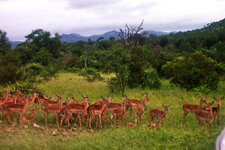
[{"x": 222, "y": 98}]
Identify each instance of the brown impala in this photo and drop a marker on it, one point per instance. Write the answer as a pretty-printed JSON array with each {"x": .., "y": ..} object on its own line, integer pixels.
[
  {"x": 154, "y": 113},
  {"x": 96, "y": 110},
  {"x": 191, "y": 108},
  {"x": 205, "y": 115},
  {"x": 216, "y": 110},
  {"x": 132, "y": 103}
]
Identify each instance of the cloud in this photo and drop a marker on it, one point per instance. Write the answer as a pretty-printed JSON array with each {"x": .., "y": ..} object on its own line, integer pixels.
[
  {"x": 20, "y": 17},
  {"x": 83, "y": 4}
]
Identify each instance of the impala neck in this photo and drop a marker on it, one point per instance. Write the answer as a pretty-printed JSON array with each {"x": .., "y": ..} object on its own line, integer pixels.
[
  {"x": 165, "y": 112},
  {"x": 218, "y": 107},
  {"x": 103, "y": 107}
]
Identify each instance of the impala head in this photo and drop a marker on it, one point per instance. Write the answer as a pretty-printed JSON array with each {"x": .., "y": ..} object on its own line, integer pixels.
[
  {"x": 74, "y": 100},
  {"x": 18, "y": 92},
  {"x": 166, "y": 107},
  {"x": 145, "y": 97},
  {"x": 208, "y": 106},
  {"x": 203, "y": 100},
  {"x": 104, "y": 98},
  {"x": 135, "y": 119},
  {"x": 68, "y": 100},
  {"x": 218, "y": 101},
  {"x": 110, "y": 100},
  {"x": 59, "y": 97},
  {"x": 125, "y": 100}
]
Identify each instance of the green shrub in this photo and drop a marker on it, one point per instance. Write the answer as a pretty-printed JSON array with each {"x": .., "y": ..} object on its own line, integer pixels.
[
  {"x": 113, "y": 85},
  {"x": 9, "y": 69},
  {"x": 151, "y": 79},
  {"x": 192, "y": 71},
  {"x": 90, "y": 74}
]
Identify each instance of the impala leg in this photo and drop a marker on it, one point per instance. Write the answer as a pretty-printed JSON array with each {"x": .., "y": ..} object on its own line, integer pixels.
[
  {"x": 57, "y": 119},
  {"x": 113, "y": 116},
  {"x": 79, "y": 117},
  {"x": 184, "y": 115},
  {"x": 21, "y": 119},
  {"x": 69, "y": 115},
  {"x": 218, "y": 116},
  {"x": 215, "y": 120},
  {"x": 75, "y": 118},
  {"x": 143, "y": 116},
  {"x": 199, "y": 125},
  {"x": 103, "y": 119},
  {"x": 46, "y": 118},
  {"x": 208, "y": 125},
  {"x": 63, "y": 117},
  {"x": 107, "y": 118},
  {"x": 8, "y": 117},
  {"x": 100, "y": 121},
  {"x": 2, "y": 112},
  {"x": 96, "y": 121},
  {"x": 89, "y": 121}
]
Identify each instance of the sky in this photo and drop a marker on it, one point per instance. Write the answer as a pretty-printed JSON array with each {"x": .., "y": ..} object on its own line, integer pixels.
[{"x": 88, "y": 17}]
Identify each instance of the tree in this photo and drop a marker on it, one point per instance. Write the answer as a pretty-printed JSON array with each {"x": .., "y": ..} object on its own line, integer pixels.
[
  {"x": 4, "y": 42},
  {"x": 192, "y": 71},
  {"x": 118, "y": 64},
  {"x": 130, "y": 37}
]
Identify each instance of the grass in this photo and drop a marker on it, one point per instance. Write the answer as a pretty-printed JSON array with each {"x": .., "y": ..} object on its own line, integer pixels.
[{"x": 173, "y": 135}]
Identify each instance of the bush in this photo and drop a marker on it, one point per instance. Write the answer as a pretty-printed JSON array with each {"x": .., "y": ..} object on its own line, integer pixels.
[
  {"x": 192, "y": 71},
  {"x": 151, "y": 79},
  {"x": 90, "y": 74},
  {"x": 9, "y": 69},
  {"x": 113, "y": 85}
]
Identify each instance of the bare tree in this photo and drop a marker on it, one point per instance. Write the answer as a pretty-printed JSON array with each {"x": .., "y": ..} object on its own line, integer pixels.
[{"x": 130, "y": 36}]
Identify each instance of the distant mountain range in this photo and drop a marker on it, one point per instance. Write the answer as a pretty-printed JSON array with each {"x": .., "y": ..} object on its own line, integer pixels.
[
  {"x": 15, "y": 43},
  {"x": 74, "y": 37}
]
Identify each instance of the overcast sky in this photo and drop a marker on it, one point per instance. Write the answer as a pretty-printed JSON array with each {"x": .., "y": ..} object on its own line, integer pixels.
[{"x": 87, "y": 17}]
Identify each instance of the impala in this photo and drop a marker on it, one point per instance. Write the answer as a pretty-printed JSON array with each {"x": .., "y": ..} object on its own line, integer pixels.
[
  {"x": 191, "y": 108},
  {"x": 132, "y": 103},
  {"x": 30, "y": 119},
  {"x": 140, "y": 110},
  {"x": 156, "y": 125},
  {"x": 96, "y": 110},
  {"x": 55, "y": 109},
  {"x": 19, "y": 108},
  {"x": 154, "y": 113},
  {"x": 205, "y": 115},
  {"x": 119, "y": 112},
  {"x": 130, "y": 124},
  {"x": 77, "y": 109},
  {"x": 216, "y": 110}
]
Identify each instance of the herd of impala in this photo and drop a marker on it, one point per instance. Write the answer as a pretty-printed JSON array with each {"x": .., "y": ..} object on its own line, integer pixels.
[{"x": 85, "y": 112}]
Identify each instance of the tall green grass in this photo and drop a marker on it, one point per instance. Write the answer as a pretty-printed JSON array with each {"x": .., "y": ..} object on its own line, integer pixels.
[{"x": 173, "y": 135}]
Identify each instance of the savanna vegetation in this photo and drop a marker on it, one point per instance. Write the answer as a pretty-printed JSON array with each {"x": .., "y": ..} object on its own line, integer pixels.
[{"x": 172, "y": 69}]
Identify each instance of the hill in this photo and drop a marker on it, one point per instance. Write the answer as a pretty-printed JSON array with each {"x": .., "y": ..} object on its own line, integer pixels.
[{"x": 74, "y": 37}]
